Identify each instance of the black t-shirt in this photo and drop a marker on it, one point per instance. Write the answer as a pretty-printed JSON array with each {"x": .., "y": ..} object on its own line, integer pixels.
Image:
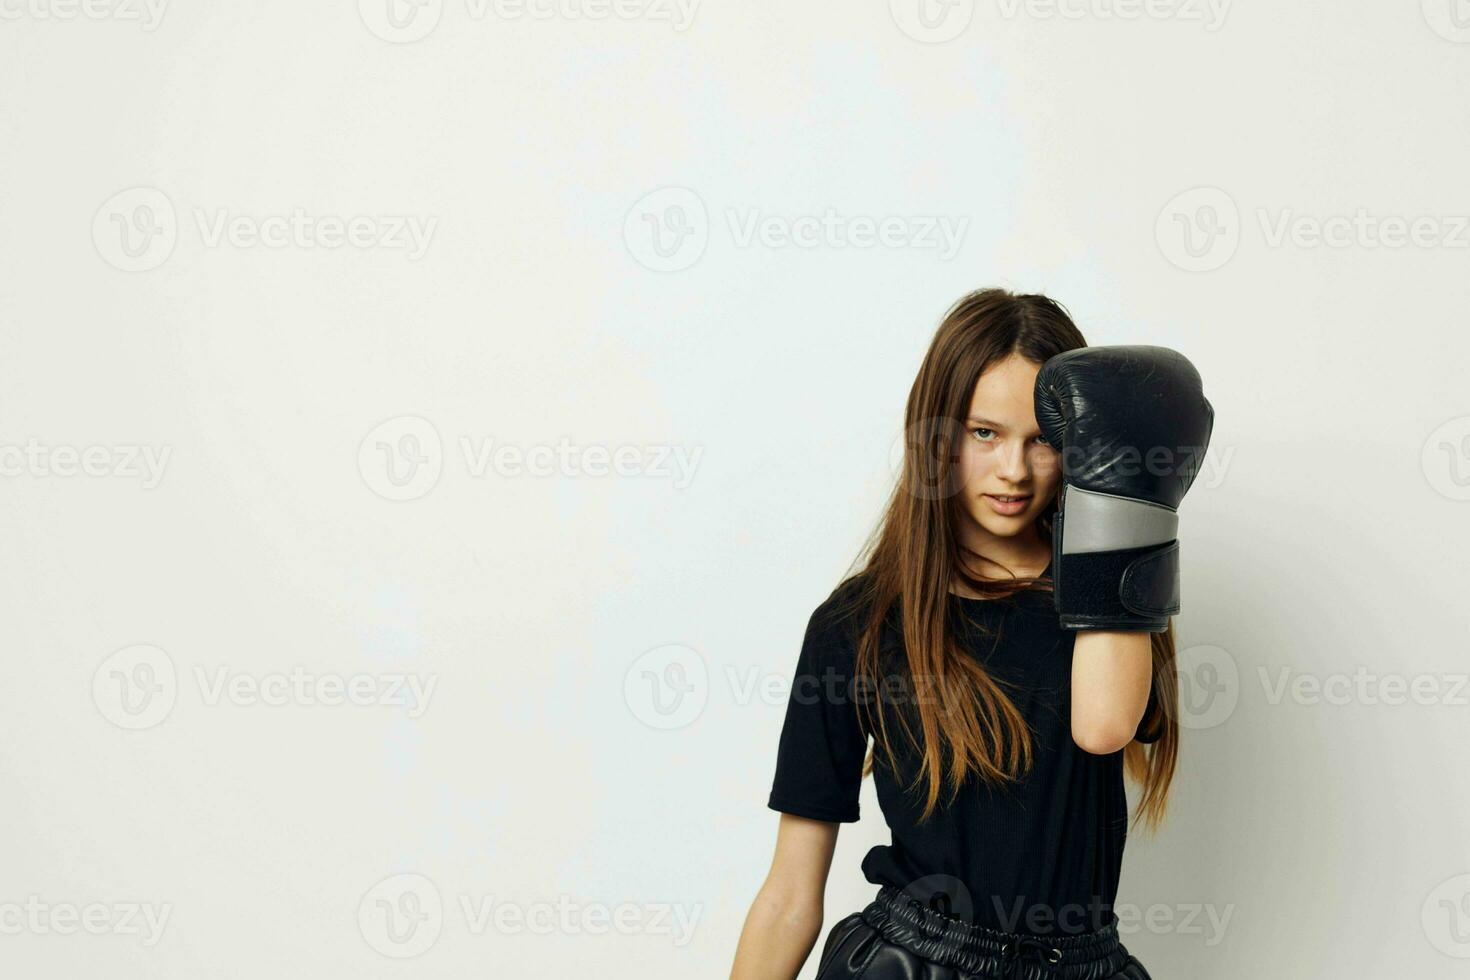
[{"x": 1038, "y": 855}]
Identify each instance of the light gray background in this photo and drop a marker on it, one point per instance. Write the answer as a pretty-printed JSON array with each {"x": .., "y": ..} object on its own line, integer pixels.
[{"x": 609, "y": 651}]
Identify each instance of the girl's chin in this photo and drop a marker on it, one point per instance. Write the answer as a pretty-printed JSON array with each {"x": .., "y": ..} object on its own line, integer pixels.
[{"x": 1002, "y": 526}]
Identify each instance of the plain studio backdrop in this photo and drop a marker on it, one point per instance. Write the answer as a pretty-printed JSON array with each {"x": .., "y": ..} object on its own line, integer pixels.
[{"x": 426, "y": 429}]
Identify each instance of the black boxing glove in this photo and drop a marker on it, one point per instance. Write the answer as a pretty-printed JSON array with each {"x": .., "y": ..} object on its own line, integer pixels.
[{"x": 1132, "y": 425}]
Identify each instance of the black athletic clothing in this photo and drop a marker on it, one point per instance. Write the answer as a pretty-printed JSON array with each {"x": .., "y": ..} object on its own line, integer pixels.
[
  {"x": 896, "y": 938},
  {"x": 1040, "y": 855}
]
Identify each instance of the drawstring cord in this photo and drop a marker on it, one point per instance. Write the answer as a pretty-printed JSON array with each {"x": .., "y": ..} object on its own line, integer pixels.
[
  {"x": 1010, "y": 954},
  {"x": 1013, "y": 951}
]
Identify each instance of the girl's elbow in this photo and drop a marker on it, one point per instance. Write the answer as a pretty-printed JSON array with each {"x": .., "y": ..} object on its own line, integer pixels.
[{"x": 1102, "y": 738}]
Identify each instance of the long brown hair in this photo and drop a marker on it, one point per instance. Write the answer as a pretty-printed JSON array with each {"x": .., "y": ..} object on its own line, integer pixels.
[{"x": 967, "y": 723}]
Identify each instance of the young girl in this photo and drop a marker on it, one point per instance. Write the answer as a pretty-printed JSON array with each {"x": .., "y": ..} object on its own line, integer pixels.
[{"x": 1008, "y": 648}]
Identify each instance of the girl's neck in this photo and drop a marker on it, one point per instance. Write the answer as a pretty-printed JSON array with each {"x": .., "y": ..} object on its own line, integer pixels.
[{"x": 1023, "y": 556}]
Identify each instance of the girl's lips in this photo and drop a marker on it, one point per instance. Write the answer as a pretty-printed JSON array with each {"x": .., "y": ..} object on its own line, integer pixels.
[{"x": 1007, "y": 504}]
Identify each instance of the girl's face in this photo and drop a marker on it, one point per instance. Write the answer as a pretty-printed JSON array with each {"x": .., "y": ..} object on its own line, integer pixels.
[{"x": 1008, "y": 473}]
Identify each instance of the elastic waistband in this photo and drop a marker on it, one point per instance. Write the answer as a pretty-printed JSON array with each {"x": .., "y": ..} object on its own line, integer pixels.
[{"x": 902, "y": 920}]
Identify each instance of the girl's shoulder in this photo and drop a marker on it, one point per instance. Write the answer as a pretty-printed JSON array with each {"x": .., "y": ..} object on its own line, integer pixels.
[{"x": 846, "y": 608}]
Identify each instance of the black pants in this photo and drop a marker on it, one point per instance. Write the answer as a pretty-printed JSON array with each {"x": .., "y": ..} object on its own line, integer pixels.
[{"x": 896, "y": 938}]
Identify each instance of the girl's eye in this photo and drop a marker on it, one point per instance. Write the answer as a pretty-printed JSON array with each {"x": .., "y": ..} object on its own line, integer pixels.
[{"x": 983, "y": 434}]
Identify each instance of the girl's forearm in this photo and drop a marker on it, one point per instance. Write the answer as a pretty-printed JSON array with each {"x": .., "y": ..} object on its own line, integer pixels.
[
  {"x": 1111, "y": 672},
  {"x": 779, "y": 934}
]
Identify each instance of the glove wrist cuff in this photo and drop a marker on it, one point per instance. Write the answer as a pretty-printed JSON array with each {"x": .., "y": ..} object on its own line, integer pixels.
[{"x": 1127, "y": 589}]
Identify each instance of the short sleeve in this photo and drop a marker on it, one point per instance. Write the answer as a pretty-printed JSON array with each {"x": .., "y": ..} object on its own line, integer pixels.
[
  {"x": 819, "y": 763},
  {"x": 1150, "y": 726}
]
